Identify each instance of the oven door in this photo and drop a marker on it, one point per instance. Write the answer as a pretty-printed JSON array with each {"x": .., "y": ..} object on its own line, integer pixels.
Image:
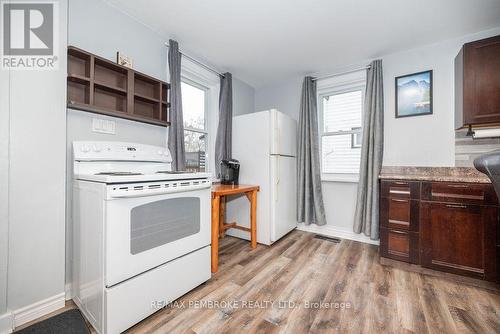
[{"x": 147, "y": 231}]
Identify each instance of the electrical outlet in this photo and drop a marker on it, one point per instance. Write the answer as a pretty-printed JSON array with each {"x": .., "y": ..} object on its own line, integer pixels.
[{"x": 103, "y": 126}]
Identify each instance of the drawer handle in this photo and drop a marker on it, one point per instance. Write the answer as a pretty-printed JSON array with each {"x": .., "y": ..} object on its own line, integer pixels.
[
  {"x": 456, "y": 206},
  {"x": 401, "y": 183},
  {"x": 458, "y": 186},
  {"x": 399, "y": 200},
  {"x": 398, "y": 232},
  {"x": 401, "y": 192}
]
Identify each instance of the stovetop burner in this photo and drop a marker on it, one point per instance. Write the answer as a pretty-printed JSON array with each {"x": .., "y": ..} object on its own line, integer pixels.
[
  {"x": 173, "y": 172},
  {"x": 119, "y": 173}
]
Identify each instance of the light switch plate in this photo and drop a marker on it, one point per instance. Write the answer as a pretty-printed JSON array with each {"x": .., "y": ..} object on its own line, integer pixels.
[{"x": 103, "y": 126}]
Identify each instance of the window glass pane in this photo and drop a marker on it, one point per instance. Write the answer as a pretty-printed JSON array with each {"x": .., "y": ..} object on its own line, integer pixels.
[
  {"x": 342, "y": 112},
  {"x": 193, "y": 106},
  {"x": 338, "y": 154},
  {"x": 195, "y": 145}
]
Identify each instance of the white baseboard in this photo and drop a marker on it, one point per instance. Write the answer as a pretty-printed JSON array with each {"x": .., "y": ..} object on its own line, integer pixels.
[
  {"x": 335, "y": 232},
  {"x": 6, "y": 323},
  {"x": 39, "y": 309}
]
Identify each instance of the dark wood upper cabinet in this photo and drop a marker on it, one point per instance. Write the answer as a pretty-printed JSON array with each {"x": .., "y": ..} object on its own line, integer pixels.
[
  {"x": 100, "y": 86},
  {"x": 477, "y": 83}
]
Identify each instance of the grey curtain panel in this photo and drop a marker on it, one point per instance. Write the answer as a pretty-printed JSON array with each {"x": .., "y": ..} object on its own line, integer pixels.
[
  {"x": 310, "y": 208},
  {"x": 372, "y": 149},
  {"x": 176, "y": 128},
  {"x": 223, "y": 141}
]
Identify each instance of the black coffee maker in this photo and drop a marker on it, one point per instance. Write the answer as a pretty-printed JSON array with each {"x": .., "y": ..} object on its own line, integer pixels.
[{"x": 229, "y": 171}]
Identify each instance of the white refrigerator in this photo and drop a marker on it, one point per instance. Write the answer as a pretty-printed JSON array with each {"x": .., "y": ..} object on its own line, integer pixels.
[{"x": 265, "y": 143}]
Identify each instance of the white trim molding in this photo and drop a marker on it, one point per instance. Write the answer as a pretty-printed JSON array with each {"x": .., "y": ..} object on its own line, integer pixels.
[
  {"x": 6, "y": 323},
  {"x": 68, "y": 291},
  {"x": 335, "y": 232},
  {"x": 38, "y": 309}
]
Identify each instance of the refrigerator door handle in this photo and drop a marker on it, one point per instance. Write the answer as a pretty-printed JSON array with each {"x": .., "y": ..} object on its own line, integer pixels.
[{"x": 277, "y": 179}]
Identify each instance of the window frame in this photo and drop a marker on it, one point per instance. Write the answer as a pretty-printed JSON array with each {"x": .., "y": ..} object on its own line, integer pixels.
[{"x": 333, "y": 87}]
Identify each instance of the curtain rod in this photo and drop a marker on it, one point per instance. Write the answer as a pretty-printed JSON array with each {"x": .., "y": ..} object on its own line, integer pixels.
[
  {"x": 199, "y": 63},
  {"x": 345, "y": 72}
]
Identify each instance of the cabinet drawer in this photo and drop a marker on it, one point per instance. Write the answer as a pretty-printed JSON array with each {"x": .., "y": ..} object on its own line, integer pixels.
[
  {"x": 399, "y": 213},
  {"x": 399, "y": 245},
  {"x": 400, "y": 189},
  {"x": 471, "y": 193}
]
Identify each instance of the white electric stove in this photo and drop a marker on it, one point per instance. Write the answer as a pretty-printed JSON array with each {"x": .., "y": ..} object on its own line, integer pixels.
[{"x": 141, "y": 232}]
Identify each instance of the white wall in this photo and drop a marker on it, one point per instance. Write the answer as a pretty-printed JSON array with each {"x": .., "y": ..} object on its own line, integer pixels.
[
  {"x": 33, "y": 136},
  {"x": 243, "y": 98},
  {"x": 414, "y": 141},
  {"x": 285, "y": 97}
]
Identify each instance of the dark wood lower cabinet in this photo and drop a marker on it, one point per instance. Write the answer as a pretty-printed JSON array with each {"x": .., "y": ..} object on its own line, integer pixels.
[
  {"x": 459, "y": 238},
  {"x": 452, "y": 227}
]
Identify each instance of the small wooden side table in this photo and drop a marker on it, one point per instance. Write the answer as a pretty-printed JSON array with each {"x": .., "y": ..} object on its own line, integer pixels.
[{"x": 219, "y": 227}]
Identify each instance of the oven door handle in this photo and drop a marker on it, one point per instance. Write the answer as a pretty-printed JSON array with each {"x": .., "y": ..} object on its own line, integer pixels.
[{"x": 153, "y": 192}]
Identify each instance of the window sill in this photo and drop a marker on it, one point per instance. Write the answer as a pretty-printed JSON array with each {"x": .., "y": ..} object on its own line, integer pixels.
[{"x": 340, "y": 178}]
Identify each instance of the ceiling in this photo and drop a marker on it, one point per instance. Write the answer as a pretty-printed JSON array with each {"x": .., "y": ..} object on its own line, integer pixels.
[{"x": 264, "y": 41}]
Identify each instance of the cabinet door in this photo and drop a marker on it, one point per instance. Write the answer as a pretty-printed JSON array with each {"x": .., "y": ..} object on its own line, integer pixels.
[
  {"x": 481, "y": 81},
  {"x": 459, "y": 238}
]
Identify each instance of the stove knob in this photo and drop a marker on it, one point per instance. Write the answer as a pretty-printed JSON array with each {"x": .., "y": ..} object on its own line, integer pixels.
[
  {"x": 85, "y": 149},
  {"x": 160, "y": 152},
  {"x": 96, "y": 148}
]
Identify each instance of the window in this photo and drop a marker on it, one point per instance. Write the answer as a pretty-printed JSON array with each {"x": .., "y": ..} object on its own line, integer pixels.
[
  {"x": 341, "y": 131},
  {"x": 194, "y": 109}
]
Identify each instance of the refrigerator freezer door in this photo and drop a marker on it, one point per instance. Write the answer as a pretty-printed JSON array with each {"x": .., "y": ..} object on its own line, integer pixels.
[
  {"x": 283, "y": 196},
  {"x": 283, "y": 134}
]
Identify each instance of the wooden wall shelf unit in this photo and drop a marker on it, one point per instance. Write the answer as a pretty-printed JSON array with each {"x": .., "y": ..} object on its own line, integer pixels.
[
  {"x": 446, "y": 226},
  {"x": 100, "y": 86}
]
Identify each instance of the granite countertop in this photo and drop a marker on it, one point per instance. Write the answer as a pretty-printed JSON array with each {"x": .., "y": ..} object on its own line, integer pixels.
[{"x": 445, "y": 174}]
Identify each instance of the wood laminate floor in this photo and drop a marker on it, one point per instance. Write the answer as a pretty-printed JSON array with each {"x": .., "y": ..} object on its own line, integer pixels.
[{"x": 300, "y": 269}]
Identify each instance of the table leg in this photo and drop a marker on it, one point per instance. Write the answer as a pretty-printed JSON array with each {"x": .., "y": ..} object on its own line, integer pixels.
[
  {"x": 215, "y": 233},
  {"x": 222, "y": 217},
  {"x": 253, "y": 219}
]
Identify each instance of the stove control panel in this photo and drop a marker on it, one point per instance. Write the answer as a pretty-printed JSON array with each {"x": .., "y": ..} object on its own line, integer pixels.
[{"x": 119, "y": 151}]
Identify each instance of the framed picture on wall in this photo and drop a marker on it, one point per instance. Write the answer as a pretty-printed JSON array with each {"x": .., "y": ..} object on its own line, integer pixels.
[{"x": 414, "y": 94}]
